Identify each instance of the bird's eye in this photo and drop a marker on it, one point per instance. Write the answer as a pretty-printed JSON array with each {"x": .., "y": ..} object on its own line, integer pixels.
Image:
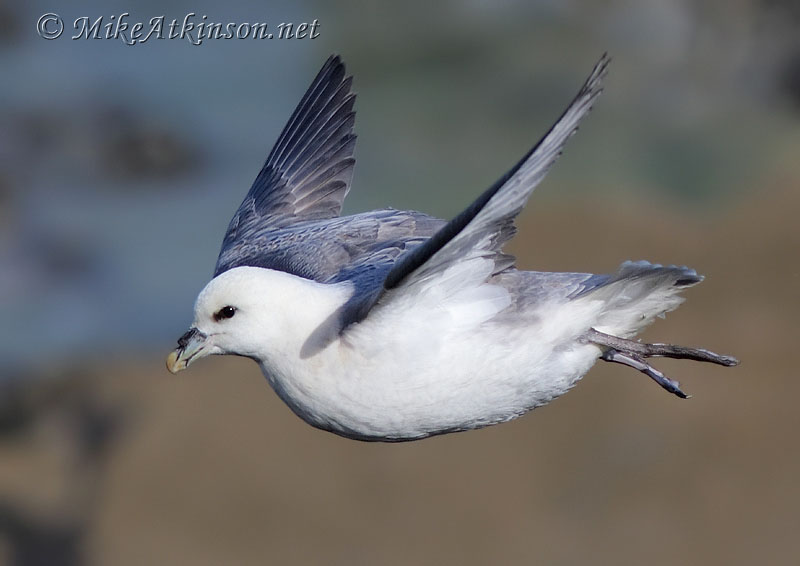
[{"x": 224, "y": 312}]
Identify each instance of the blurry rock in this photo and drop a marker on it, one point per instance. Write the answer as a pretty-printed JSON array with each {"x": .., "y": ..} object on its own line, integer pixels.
[
  {"x": 790, "y": 80},
  {"x": 136, "y": 148},
  {"x": 5, "y": 200},
  {"x": 16, "y": 412},
  {"x": 9, "y": 23},
  {"x": 91, "y": 146},
  {"x": 34, "y": 541},
  {"x": 64, "y": 415},
  {"x": 63, "y": 258},
  {"x": 787, "y": 8}
]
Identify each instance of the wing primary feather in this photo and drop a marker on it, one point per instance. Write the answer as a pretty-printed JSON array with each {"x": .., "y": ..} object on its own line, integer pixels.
[
  {"x": 509, "y": 196},
  {"x": 306, "y": 175},
  {"x": 310, "y": 132},
  {"x": 327, "y": 74}
]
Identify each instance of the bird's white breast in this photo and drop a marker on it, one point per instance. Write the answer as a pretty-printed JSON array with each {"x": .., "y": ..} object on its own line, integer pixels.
[{"x": 420, "y": 369}]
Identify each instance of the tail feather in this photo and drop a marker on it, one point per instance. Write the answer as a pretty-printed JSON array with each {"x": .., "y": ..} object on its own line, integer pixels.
[{"x": 637, "y": 293}]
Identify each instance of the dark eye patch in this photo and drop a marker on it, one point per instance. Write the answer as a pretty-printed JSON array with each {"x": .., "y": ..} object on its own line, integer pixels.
[{"x": 224, "y": 312}]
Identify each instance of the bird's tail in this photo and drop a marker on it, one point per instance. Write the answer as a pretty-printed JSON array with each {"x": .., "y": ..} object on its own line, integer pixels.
[{"x": 638, "y": 293}]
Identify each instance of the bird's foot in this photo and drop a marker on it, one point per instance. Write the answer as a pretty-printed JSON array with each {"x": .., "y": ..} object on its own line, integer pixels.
[
  {"x": 631, "y": 360},
  {"x": 632, "y": 353}
]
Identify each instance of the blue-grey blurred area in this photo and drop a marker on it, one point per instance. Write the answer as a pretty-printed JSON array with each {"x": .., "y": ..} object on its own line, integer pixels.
[{"x": 120, "y": 167}]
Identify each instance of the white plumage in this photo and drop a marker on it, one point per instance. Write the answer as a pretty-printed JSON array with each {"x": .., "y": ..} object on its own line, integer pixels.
[{"x": 393, "y": 325}]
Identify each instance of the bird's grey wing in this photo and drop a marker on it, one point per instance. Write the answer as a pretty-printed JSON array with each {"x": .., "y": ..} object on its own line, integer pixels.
[
  {"x": 368, "y": 272},
  {"x": 345, "y": 248},
  {"x": 308, "y": 172},
  {"x": 481, "y": 229}
]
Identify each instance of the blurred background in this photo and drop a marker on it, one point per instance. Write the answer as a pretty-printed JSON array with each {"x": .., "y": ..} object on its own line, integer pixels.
[{"x": 120, "y": 167}]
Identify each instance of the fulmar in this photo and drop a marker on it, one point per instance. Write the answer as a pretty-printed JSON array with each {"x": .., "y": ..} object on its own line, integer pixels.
[{"x": 394, "y": 325}]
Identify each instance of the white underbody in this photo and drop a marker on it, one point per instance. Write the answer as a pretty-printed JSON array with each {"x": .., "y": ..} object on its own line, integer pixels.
[
  {"x": 417, "y": 370},
  {"x": 396, "y": 394},
  {"x": 435, "y": 355}
]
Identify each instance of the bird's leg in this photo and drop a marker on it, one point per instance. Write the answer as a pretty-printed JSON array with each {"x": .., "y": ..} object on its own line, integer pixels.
[
  {"x": 658, "y": 350},
  {"x": 612, "y": 355},
  {"x": 632, "y": 353}
]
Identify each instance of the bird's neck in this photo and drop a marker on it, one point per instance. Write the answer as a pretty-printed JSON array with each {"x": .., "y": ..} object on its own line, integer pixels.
[{"x": 302, "y": 315}]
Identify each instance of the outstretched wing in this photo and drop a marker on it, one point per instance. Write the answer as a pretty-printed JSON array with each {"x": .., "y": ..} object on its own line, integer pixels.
[
  {"x": 307, "y": 174},
  {"x": 480, "y": 231}
]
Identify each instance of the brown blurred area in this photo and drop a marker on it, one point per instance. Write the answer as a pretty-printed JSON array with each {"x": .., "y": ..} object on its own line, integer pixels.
[
  {"x": 120, "y": 167},
  {"x": 210, "y": 468}
]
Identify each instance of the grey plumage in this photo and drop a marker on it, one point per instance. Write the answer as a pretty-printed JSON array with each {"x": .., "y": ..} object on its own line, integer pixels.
[
  {"x": 432, "y": 327},
  {"x": 488, "y": 223},
  {"x": 289, "y": 219},
  {"x": 305, "y": 177}
]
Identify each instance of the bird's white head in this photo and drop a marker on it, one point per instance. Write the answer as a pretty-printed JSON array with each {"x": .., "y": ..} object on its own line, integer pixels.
[{"x": 251, "y": 312}]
